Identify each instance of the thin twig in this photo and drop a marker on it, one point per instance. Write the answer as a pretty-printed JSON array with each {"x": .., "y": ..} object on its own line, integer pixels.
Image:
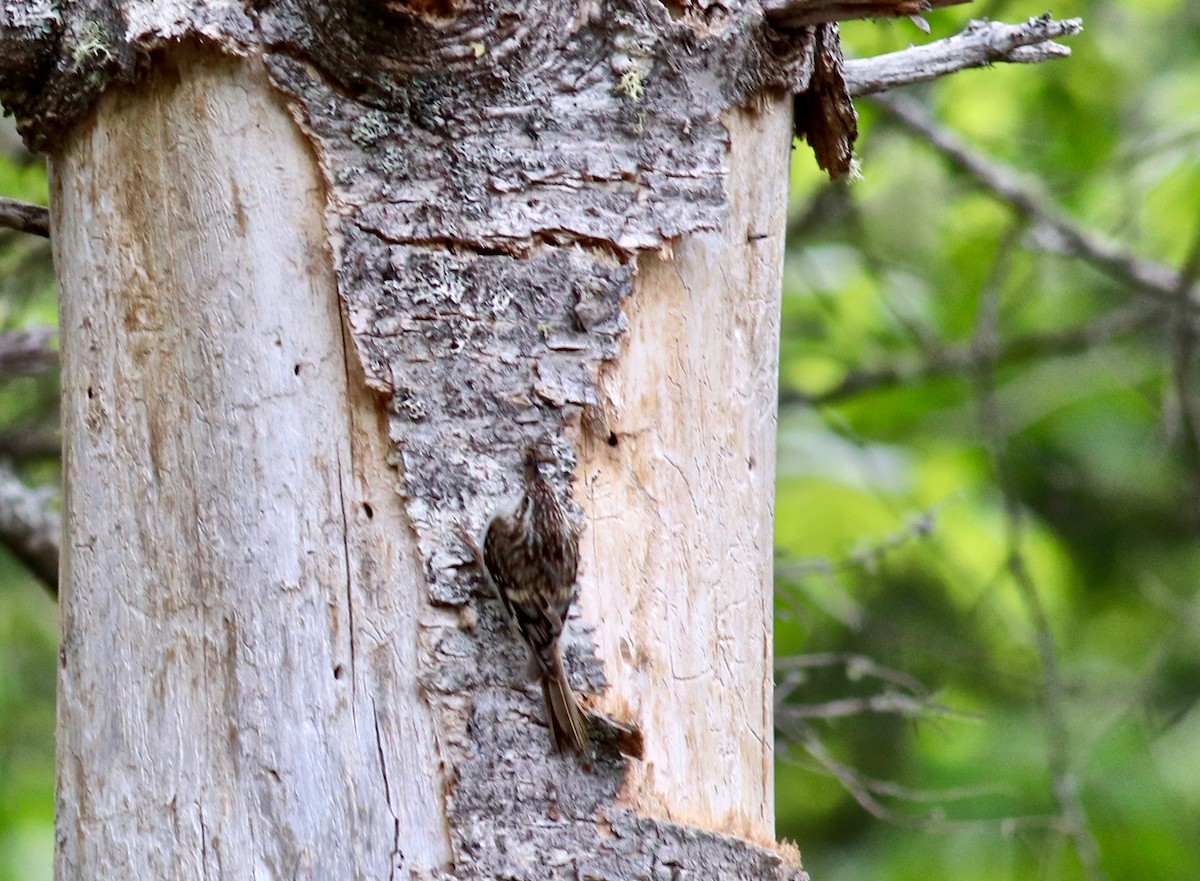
[
  {"x": 29, "y": 443},
  {"x": 980, "y": 44},
  {"x": 886, "y": 702},
  {"x": 902, "y": 693},
  {"x": 1053, "y": 691},
  {"x": 857, "y": 784},
  {"x": 1184, "y": 365},
  {"x": 24, "y": 217},
  {"x": 959, "y": 360},
  {"x": 866, "y": 791},
  {"x": 856, "y": 667},
  {"x": 1156, "y": 280}
]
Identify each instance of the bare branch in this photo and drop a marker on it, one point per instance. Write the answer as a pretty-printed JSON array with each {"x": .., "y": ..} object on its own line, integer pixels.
[
  {"x": 1054, "y": 698},
  {"x": 30, "y": 443},
  {"x": 24, "y": 217},
  {"x": 870, "y": 791},
  {"x": 1185, "y": 351},
  {"x": 867, "y": 791},
  {"x": 857, "y": 784},
  {"x": 797, "y": 13},
  {"x": 857, "y": 667},
  {"x": 980, "y": 44},
  {"x": 901, "y": 695},
  {"x": 1052, "y": 226},
  {"x": 883, "y": 703},
  {"x": 959, "y": 360},
  {"x": 29, "y": 526},
  {"x": 27, "y": 351}
]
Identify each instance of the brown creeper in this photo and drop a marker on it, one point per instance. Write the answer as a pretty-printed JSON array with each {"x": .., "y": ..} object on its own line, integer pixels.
[{"x": 531, "y": 554}]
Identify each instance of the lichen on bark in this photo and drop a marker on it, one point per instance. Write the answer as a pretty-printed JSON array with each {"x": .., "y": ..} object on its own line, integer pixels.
[{"x": 489, "y": 189}]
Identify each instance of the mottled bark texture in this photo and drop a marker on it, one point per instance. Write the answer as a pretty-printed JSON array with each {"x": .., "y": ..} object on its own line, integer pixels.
[
  {"x": 506, "y": 187},
  {"x": 497, "y": 184}
]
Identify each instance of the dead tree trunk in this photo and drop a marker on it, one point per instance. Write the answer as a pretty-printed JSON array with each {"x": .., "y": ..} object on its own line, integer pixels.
[{"x": 325, "y": 269}]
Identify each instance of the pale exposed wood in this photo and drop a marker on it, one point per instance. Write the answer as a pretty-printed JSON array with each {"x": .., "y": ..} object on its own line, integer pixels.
[
  {"x": 240, "y": 593},
  {"x": 678, "y": 552}
]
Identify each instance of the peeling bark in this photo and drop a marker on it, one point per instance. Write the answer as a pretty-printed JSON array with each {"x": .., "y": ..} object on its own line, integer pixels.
[{"x": 825, "y": 115}]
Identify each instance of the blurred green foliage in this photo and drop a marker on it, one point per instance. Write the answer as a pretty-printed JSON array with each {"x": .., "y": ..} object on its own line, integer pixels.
[
  {"x": 28, "y": 628},
  {"x": 894, "y": 532}
]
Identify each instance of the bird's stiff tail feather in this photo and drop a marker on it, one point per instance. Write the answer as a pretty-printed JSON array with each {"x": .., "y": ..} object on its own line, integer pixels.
[{"x": 568, "y": 727}]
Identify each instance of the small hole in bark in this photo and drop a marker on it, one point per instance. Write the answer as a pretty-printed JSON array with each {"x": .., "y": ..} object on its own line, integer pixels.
[
  {"x": 368, "y": 510},
  {"x": 296, "y": 370},
  {"x": 91, "y": 394},
  {"x": 612, "y": 439},
  {"x": 339, "y": 671}
]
